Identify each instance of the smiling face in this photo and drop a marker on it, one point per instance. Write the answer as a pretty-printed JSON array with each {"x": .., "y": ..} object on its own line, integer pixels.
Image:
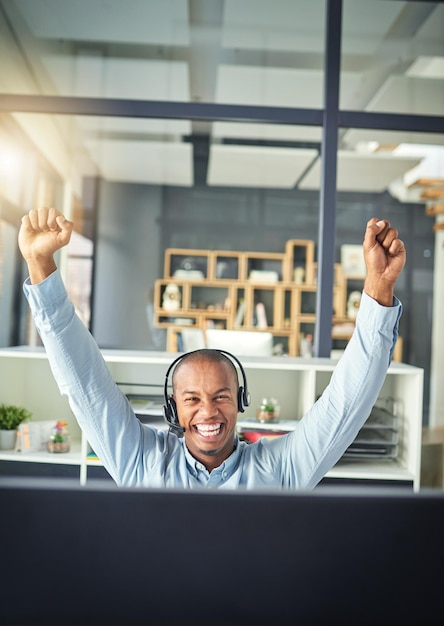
[{"x": 205, "y": 391}]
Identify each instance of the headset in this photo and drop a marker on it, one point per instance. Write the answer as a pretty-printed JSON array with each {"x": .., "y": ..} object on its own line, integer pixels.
[{"x": 170, "y": 408}]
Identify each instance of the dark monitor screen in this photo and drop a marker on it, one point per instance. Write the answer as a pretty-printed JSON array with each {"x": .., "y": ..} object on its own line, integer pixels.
[{"x": 103, "y": 555}]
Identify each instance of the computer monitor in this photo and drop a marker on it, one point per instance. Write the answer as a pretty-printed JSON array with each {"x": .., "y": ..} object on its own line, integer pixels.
[
  {"x": 192, "y": 339},
  {"x": 240, "y": 342},
  {"x": 99, "y": 554}
]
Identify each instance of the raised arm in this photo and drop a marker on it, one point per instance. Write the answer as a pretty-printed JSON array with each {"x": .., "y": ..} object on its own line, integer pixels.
[
  {"x": 42, "y": 233},
  {"x": 76, "y": 361},
  {"x": 331, "y": 425},
  {"x": 384, "y": 256}
]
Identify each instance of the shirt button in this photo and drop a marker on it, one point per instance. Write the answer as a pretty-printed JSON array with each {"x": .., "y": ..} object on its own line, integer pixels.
[{"x": 224, "y": 474}]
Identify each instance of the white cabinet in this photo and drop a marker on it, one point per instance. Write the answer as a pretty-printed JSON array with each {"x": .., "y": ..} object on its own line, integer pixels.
[{"x": 26, "y": 380}]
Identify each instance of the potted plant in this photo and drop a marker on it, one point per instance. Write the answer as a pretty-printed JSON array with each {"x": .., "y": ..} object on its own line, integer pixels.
[
  {"x": 268, "y": 410},
  {"x": 11, "y": 416}
]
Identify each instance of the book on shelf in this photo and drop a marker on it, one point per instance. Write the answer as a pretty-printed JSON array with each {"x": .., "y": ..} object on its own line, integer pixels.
[
  {"x": 261, "y": 316},
  {"x": 240, "y": 313},
  {"x": 92, "y": 456}
]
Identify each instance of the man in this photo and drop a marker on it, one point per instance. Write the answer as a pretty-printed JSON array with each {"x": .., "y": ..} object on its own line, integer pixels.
[{"x": 205, "y": 384}]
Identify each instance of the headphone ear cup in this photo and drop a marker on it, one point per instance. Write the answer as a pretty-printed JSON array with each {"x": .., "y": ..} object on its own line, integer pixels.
[
  {"x": 170, "y": 411},
  {"x": 243, "y": 400}
]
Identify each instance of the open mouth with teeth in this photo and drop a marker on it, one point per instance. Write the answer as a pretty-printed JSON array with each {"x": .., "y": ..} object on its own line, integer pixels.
[{"x": 208, "y": 431}]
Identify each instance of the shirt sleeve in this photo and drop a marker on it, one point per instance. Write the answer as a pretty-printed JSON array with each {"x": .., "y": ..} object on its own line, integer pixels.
[
  {"x": 101, "y": 409},
  {"x": 325, "y": 432}
]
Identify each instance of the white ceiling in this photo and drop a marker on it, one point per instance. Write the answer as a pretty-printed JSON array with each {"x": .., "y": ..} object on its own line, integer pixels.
[
  {"x": 258, "y": 52},
  {"x": 250, "y": 166},
  {"x": 409, "y": 94},
  {"x": 299, "y": 26},
  {"x": 130, "y": 21},
  {"x": 406, "y": 94},
  {"x": 153, "y": 162},
  {"x": 271, "y": 86},
  {"x": 373, "y": 172},
  {"x": 274, "y": 26},
  {"x": 109, "y": 77}
]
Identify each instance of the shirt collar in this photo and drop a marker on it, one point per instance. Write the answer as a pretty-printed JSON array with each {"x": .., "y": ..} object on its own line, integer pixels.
[{"x": 228, "y": 465}]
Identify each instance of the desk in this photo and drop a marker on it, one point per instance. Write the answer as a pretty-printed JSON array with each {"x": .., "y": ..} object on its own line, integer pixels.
[{"x": 138, "y": 556}]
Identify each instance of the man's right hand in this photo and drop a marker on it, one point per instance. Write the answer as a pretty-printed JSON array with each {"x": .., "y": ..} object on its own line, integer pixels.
[{"x": 42, "y": 233}]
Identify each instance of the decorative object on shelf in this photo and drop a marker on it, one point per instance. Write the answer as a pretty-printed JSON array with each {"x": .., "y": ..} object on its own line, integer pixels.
[
  {"x": 188, "y": 269},
  {"x": 59, "y": 441},
  {"x": 171, "y": 298},
  {"x": 189, "y": 274},
  {"x": 11, "y": 416},
  {"x": 222, "y": 270},
  {"x": 299, "y": 275},
  {"x": 306, "y": 345},
  {"x": 32, "y": 436},
  {"x": 353, "y": 302},
  {"x": 263, "y": 276},
  {"x": 352, "y": 261},
  {"x": 268, "y": 411}
]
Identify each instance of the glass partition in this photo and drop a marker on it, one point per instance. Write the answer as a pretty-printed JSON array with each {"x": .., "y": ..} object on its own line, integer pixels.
[
  {"x": 251, "y": 52},
  {"x": 397, "y": 175},
  {"x": 395, "y": 51}
]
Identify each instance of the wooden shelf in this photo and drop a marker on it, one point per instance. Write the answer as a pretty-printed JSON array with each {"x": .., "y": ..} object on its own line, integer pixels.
[
  {"x": 73, "y": 457},
  {"x": 250, "y": 291},
  {"x": 435, "y": 209},
  {"x": 428, "y": 182},
  {"x": 433, "y": 193}
]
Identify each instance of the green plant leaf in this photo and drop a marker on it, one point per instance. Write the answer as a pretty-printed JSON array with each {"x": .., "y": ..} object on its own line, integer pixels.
[{"x": 11, "y": 416}]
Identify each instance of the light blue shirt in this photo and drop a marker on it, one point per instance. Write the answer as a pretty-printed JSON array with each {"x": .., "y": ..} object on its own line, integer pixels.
[{"x": 138, "y": 455}]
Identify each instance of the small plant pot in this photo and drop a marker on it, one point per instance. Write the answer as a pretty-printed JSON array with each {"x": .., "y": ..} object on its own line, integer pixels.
[
  {"x": 266, "y": 416},
  {"x": 59, "y": 441},
  {"x": 8, "y": 439}
]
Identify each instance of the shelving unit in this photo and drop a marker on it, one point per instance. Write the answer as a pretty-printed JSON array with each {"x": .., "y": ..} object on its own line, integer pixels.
[
  {"x": 222, "y": 289},
  {"x": 27, "y": 381}
]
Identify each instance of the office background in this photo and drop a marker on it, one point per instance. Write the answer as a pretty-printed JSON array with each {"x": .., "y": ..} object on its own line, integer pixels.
[{"x": 233, "y": 124}]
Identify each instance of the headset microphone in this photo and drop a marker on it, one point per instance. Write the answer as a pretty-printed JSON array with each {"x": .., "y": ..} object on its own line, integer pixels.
[
  {"x": 177, "y": 430},
  {"x": 174, "y": 428}
]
